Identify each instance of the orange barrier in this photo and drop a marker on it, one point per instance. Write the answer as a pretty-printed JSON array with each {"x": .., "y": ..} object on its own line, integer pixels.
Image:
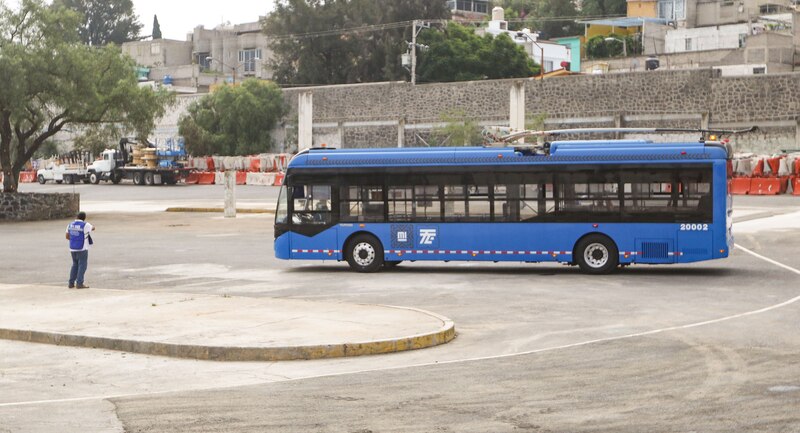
[
  {"x": 739, "y": 185},
  {"x": 774, "y": 165},
  {"x": 795, "y": 185},
  {"x": 758, "y": 171},
  {"x": 206, "y": 178},
  {"x": 27, "y": 176},
  {"x": 279, "y": 179},
  {"x": 241, "y": 177},
  {"x": 255, "y": 164},
  {"x": 768, "y": 185},
  {"x": 192, "y": 178},
  {"x": 210, "y": 164}
]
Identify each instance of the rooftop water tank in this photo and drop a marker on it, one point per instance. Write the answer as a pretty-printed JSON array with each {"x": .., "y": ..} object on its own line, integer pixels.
[{"x": 498, "y": 14}]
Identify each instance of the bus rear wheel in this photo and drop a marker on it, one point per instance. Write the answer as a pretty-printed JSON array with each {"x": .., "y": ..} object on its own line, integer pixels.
[
  {"x": 596, "y": 254},
  {"x": 365, "y": 253}
]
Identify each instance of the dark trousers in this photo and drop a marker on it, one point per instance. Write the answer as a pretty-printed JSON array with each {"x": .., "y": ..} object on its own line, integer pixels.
[{"x": 80, "y": 260}]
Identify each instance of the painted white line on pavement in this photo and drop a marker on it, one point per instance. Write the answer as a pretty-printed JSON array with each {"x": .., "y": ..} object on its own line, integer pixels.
[{"x": 458, "y": 361}]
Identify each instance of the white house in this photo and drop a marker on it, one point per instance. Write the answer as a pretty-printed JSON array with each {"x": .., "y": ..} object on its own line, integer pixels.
[{"x": 549, "y": 54}]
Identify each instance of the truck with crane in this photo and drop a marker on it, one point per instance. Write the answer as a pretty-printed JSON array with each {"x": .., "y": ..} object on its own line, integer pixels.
[{"x": 144, "y": 164}]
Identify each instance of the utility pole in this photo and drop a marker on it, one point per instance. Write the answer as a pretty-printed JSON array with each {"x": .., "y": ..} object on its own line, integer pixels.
[
  {"x": 414, "y": 53},
  {"x": 414, "y": 33}
]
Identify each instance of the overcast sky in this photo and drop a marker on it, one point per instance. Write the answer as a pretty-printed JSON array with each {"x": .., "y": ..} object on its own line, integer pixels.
[{"x": 179, "y": 17}]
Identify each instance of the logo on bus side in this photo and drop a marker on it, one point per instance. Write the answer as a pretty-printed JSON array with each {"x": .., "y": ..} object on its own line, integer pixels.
[
  {"x": 402, "y": 236},
  {"x": 427, "y": 236}
]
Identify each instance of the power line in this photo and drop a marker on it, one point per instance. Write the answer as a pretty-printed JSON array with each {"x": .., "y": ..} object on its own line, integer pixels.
[{"x": 401, "y": 24}]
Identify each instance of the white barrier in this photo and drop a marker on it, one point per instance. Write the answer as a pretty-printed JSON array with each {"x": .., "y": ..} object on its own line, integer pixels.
[{"x": 264, "y": 179}]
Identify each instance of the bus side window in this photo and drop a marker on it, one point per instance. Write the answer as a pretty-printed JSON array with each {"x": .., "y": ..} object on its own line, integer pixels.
[{"x": 312, "y": 204}]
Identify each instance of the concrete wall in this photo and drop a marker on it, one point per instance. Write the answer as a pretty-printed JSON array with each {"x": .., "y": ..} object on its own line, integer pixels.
[
  {"x": 385, "y": 114},
  {"x": 35, "y": 207},
  {"x": 160, "y": 52}
]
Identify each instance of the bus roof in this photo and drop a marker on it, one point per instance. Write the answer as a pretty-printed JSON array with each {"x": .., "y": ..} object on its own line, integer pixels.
[{"x": 583, "y": 151}]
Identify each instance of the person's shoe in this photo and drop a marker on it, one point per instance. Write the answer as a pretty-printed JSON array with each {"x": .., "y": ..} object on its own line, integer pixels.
[
  {"x": 81, "y": 286},
  {"x": 71, "y": 286}
]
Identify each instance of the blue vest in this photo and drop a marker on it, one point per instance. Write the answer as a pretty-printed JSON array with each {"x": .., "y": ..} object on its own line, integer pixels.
[{"x": 76, "y": 235}]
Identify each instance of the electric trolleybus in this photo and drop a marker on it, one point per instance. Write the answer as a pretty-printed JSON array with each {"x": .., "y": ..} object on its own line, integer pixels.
[{"x": 598, "y": 204}]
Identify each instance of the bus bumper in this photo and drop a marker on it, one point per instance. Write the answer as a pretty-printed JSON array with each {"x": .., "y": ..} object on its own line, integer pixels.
[{"x": 283, "y": 248}]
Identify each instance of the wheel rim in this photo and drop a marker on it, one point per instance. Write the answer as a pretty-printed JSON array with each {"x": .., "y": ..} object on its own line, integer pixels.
[
  {"x": 364, "y": 254},
  {"x": 596, "y": 255}
]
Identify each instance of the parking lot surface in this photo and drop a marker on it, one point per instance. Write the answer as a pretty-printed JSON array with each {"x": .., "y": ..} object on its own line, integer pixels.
[{"x": 712, "y": 346}]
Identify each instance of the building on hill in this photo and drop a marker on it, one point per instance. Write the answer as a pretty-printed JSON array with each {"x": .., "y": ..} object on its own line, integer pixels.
[
  {"x": 738, "y": 38},
  {"x": 226, "y": 53}
]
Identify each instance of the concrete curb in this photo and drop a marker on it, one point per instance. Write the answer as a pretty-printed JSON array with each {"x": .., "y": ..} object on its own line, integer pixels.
[
  {"x": 443, "y": 335},
  {"x": 216, "y": 209}
]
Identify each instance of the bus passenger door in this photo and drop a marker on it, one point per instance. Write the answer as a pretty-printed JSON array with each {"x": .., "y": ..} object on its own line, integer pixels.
[{"x": 313, "y": 235}]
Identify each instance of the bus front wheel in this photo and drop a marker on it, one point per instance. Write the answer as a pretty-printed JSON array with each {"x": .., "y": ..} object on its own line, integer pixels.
[
  {"x": 596, "y": 254},
  {"x": 365, "y": 253}
]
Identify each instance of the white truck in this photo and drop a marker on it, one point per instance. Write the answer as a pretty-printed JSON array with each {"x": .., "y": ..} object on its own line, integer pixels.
[
  {"x": 69, "y": 168},
  {"x": 148, "y": 169}
]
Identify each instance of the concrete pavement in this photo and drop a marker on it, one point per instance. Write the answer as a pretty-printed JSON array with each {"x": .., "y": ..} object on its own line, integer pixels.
[{"x": 213, "y": 327}]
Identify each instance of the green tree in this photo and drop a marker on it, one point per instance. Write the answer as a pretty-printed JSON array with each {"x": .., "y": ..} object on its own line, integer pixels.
[
  {"x": 603, "y": 8},
  {"x": 555, "y": 18},
  {"x": 233, "y": 120},
  {"x": 343, "y": 41},
  {"x": 53, "y": 81},
  {"x": 458, "y": 54},
  {"x": 459, "y": 130},
  {"x": 104, "y": 21},
  {"x": 156, "y": 28}
]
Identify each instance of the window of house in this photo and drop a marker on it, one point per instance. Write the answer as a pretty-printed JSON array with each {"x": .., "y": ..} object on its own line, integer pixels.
[
  {"x": 204, "y": 61},
  {"x": 548, "y": 65},
  {"x": 155, "y": 49},
  {"x": 760, "y": 70},
  {"x": 248, "y": 59},
  {"x": 688, "y": 43},
  {"x": 672, "y": 9},
  {"x": 742, "y": 39}
]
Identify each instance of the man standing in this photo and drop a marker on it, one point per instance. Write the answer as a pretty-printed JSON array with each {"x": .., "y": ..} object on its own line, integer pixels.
[{"x": 78, "y": 236}]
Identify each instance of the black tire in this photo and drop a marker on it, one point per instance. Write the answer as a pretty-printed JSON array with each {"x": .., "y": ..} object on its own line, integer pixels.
[
  {"x": 41, "y": 179},
  {"x": 365, "y": 253},
  {"x": 391, "y": 264},
  {"x": 94, "y": 178},
  {"x": 116, "y": 178},
  {"x": 137, "y": 178},
  {"x": 148, "y": 179},
  {"x": 596, "y": 254},
  {"x": 59, "y": 181},
  {"x": 69, "y": 179}
]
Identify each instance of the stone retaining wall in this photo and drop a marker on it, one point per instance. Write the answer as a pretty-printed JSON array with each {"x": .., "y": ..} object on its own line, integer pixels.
[
  {"x": 374, "y": 114},
  {"x": 35, "y": 207},
  {"x": 371, "y": 115}
]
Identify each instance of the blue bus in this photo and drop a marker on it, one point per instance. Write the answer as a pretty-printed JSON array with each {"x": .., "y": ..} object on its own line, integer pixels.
[{"x": 597, "y": 204}]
